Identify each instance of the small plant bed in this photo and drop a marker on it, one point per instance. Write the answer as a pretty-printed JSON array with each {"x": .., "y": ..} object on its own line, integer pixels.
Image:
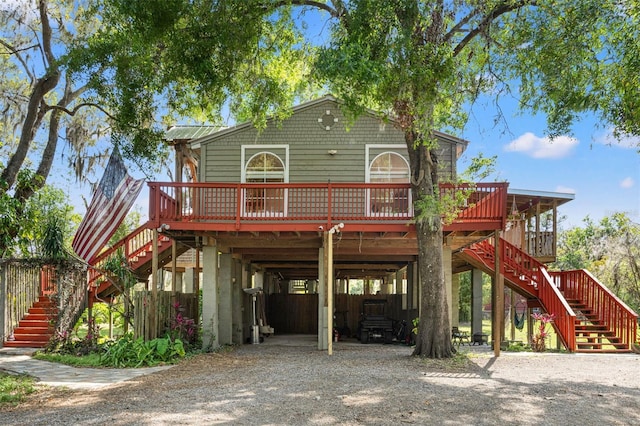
[{"x": 126, "y": 352}]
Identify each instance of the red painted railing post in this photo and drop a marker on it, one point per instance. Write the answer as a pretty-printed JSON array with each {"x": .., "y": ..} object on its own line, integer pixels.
[
  {"x": 329, "y": 204},
  {"x": 239, "y": 197}
]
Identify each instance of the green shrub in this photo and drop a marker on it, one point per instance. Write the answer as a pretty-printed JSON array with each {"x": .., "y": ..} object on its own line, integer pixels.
[{"x": 130, "y": 352}]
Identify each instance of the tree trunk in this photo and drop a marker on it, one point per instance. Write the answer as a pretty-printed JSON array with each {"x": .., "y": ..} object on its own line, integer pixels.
[{"x": 434, "y": 331}]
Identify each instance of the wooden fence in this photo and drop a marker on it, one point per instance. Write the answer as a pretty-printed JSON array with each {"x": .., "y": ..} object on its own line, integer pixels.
[
  {"x": 298, "y": 313},
  {"x": 147, "y": 325},
  {"x": 19, "y": 289}
]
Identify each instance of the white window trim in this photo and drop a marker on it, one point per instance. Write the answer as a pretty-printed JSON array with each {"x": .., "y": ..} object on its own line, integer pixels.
[
  {"x": 243, "y": 175},
  {"x": 389, "y": 148},
  {"x": 263, "y": 148},
  {"x": 367, "y": 156}
]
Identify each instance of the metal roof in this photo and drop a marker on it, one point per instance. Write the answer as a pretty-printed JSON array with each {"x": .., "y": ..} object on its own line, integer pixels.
[{"x": 189, "y": 132}]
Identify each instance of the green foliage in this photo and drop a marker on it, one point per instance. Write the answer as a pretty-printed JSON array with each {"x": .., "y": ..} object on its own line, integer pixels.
[
  {"x": 14, "y": 388},
  {"x": 517, "y": 347},
  {"x": 39, "y": 227},
  {"x": 70, "y": 343},
  {"x": 91, "y": 360},
  {"x": 415, "y": 322},
  {"x": 130, "y": 352},
  {"x": 609, "y": 249}
]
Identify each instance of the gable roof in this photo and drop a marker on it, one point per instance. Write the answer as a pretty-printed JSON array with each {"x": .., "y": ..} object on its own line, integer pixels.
[
  {"x": 196, "y": 142},
  {"x": 187, "y": 132}
]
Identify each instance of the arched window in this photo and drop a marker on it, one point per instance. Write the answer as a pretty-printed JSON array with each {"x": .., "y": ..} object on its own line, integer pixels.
[
  {"x": 264, "y": 167},
  {"x": 389, "y": 167}
]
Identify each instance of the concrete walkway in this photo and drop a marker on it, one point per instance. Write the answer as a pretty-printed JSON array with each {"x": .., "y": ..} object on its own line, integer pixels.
[{"x": 18, "y": 360}]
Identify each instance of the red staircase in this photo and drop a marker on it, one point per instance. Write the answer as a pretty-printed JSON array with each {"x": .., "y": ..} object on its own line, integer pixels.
[
  {"x": 588, "y": 317},
  {"x": 137, "y": 248},
  {"x": 37, "y": 326},
  {"x": 604, "y": 323}
]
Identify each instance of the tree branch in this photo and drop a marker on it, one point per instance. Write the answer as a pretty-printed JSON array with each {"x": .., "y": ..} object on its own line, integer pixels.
[
  {"x": 316, "y": 4},
  {"x": 75, "y": 110},
  {"x": 16, "y": 53},
  {"x": 488, "y": 19},
  {"x": 46, "y": 32}
]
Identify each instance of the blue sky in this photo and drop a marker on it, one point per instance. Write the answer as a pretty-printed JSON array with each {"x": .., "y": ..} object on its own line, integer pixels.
[{"x": 603, "y": 174}]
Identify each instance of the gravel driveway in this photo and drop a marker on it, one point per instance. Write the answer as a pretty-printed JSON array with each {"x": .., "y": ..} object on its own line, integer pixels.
[{"x": 286, "y": 381}]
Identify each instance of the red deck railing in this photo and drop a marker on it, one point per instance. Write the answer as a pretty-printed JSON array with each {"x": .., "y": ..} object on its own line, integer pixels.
[
  {"x": 300, "y": 207},
  {"x": 532, "y": 277},
  {"x": 134, "y": 245},
  {"x": 611, "y": 311}
]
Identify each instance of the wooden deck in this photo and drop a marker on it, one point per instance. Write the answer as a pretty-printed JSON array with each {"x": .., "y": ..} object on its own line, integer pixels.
[{"x": 315, "y": 206}]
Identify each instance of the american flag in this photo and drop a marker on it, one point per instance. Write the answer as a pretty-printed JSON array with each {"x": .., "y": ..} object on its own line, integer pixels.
[{"x": 111, "y": 201}]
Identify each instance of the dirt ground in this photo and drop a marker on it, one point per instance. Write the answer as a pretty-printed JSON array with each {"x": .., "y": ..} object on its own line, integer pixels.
[{"x": 289, "y": 382}]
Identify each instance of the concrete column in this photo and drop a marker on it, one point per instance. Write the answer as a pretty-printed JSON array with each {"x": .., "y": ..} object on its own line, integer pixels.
[
  {"x": 179, "y": 281},
  {"x": 236, "y": 302},
  {"x": 322, "y": 309},
  {"x": 476, "y": 301},
  {"x": 407, "y": 299},
  {"x": 399, "y": 281},
  {"x": 188, "y": 280},
  {"x": 210, "y": 322},
  {"x": 455, "y": 300},
  {"x": 446, "y": 265},
  {"x": 225, "y": 327},
  {"x": 247, "y": 303}
]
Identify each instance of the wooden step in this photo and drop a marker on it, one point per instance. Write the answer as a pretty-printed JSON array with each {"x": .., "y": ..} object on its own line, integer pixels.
[
  {"x": 34, "y": 324},
  {"x": 32, "y": 337},
  {"x": 24, "y": 344},
  {"x": 603, "y": 351}
]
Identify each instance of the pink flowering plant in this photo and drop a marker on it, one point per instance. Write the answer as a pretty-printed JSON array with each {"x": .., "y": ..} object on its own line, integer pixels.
[
  {"x": 539, "y": 339},
  {"x": 182, "y": 328}
]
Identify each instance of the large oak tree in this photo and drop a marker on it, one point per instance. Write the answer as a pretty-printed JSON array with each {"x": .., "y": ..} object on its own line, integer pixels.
[
  {"x": 422, "y": 62},
  {"x": 44, "y": 108}
]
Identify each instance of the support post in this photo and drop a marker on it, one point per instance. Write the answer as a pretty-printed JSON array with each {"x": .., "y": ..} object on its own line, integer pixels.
[
  {"x": 498, "y": 296},
  {"x": 329, "y": 279},
  {"x": 476, "y": 301},
  {"x": 210, "y": 321},
  {"x": 322, "y": 294},
  {"x": 152, "y": 328},
  {"x": 225, "y": 312}
]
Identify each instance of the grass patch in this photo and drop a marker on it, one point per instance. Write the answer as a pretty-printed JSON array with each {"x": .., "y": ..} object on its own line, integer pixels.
[
  {"x": 91, "y": 360},
  {"x": 459, "y": 362},
  {"x": 14, "y": 388}
]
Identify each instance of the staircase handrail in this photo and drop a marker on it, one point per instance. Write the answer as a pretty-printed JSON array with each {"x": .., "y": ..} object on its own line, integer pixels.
[
  {"x": 520, "y": 262},
  {"x": 550, "y": 297},
  {"x": 612, "y": 312},
  {"x": 133, "y": 244},
  {"x": 554, "y": 302}
]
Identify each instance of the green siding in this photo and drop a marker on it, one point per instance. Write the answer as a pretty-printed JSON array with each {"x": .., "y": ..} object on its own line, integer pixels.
[{"x": 309, "y": 143}]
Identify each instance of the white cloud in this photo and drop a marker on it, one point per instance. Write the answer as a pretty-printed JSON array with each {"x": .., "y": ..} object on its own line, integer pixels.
[
  {"x": 565, "y": 189},
  {"x": 537, "y": 147},
  {"x": 623, "y": 140},
  {"x": 627, "y": 182}
]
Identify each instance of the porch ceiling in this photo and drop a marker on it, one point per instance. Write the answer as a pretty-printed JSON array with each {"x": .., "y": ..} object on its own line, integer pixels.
[{"x": 294, "y": 255}]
